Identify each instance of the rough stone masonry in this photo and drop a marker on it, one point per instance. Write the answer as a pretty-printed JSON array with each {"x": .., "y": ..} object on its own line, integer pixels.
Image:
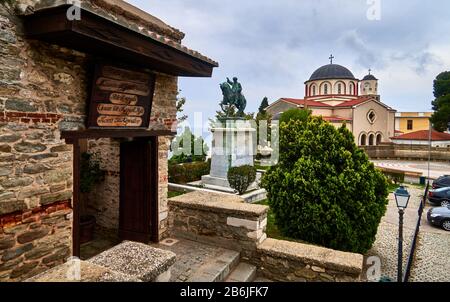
[{"x": 44, "y": 90}]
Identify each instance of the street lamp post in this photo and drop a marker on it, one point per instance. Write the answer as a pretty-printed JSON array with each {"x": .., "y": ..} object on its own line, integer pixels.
[{"x": 401, "y": 198}]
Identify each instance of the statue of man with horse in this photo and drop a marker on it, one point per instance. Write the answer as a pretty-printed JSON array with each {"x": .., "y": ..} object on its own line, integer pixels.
[{"x": 232, "y": 96}]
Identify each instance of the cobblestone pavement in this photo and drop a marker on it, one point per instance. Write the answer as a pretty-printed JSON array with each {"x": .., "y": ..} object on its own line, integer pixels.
[{"x": 431, "y": 262}]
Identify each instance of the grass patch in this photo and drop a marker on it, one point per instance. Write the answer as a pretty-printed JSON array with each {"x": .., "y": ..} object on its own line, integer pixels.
[
  {"x": 272, "y": 230},
  {"x": 171, "y": 194}
]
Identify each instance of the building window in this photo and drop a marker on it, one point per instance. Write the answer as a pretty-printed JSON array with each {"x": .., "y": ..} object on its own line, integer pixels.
[
  {"x": 371, "y": 140},
  {"x": 352, "y": 89},
  {"x": 314, "y": 90},
  {"x": 325, "y": 89},
  {"x": 363, "y": 140},
  {"x": 339, "y": 89},
  {"x": 379, "y": 139},
  {"x": 371, "y": 116},
  {"x": 410, "y": 125}
]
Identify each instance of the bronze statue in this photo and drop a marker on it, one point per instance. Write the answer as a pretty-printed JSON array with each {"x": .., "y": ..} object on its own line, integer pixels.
[{"x": 232, "y": 96}]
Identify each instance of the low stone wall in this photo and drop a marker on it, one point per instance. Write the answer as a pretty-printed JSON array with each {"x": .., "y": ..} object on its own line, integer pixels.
[
  {"x": 407, "y": 152},
  {"x": 34, "y": 241},
  {"x": 281, "y": 260},
  {"x": 229, "y": 222},
  {"x": 218, "y": 219}
]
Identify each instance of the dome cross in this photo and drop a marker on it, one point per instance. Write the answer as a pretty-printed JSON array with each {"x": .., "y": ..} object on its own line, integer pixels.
[{"x": 331, "y": 58}]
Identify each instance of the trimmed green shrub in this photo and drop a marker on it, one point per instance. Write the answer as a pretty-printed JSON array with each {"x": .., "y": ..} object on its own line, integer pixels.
[
  {"x": 188, "y": 172},
  {"x": 295, "y": 114},
  {"x": 324, "y": 189},
  {"x": 240, "y": 178}
]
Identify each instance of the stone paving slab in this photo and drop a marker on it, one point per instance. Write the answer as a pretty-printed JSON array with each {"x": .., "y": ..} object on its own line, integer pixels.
[
  {"x": 199, "y": 262},
  {"x": 81, "y": 271},
  {"x": 244, "y": 272}
]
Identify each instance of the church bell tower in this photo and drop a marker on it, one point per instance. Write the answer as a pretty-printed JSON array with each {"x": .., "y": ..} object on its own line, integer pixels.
[{"x": 369, "y": 85}]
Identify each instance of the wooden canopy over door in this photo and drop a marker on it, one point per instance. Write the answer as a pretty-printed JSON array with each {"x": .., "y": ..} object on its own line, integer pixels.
[{"x": 139, "y": 182}]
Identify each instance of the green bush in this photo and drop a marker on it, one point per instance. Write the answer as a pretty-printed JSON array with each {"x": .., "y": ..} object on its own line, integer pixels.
[
  {"x": 295, "y": 114},
  {"x": 90, "y": 172},
  {"x": 188, "y": 172},
  {"x": 240, "y": 178},
  {"x": 324, "y": 189}
]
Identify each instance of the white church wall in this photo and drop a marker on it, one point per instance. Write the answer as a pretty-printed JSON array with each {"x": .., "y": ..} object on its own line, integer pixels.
[{"x": 384, "y": 122}]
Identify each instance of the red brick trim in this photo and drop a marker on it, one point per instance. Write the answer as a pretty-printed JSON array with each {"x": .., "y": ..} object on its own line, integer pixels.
[
  {"x": 32, "y": 215},
  {"x": 27, "y": 117}
]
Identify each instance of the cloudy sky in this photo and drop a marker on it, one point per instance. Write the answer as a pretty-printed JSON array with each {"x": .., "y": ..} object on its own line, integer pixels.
[{"x": 273, "y": 46}]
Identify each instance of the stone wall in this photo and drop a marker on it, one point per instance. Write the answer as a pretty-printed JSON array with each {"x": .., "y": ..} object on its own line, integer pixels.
[
  {"x": 218, "y": 219},
  {"x": 407, "y": 152},
  {"x": 228, "y": 222},
  {"x": 44, "y": 89},
  {"x": 34, "y": 240},
  {"x": 281, "y": 260}
]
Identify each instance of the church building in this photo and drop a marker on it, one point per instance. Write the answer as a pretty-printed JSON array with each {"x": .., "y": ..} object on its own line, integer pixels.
[{"x": 334, "y": 93}]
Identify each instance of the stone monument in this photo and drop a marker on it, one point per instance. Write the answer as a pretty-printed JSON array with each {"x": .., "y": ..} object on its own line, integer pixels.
[{"x": 234, "y": 138}]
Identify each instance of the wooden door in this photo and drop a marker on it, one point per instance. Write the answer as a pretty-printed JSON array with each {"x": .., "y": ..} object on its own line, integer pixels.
[{"x": 138, "y": 217}]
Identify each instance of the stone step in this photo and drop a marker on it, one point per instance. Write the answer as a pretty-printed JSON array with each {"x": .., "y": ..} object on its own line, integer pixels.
[
  {"x": 244, "y": 272},
  {"x": 217, "y": 269}
]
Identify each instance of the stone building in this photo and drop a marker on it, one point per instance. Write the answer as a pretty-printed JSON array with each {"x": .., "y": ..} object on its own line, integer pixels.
[
  {"x": 47, "y": 65},
  {"x": 334, "y": 93}
]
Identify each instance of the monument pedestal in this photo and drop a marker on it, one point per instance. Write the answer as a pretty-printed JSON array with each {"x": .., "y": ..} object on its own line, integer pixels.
[{"x": 233, "y": 145}]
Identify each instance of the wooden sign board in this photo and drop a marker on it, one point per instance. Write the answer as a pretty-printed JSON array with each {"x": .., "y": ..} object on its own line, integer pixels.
[{"x": 121, "y": 98}]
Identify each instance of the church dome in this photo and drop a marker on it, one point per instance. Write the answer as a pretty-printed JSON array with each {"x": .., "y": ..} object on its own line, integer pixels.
[
  {"x": 370, "y": 77},
  {"x": 332, "y": 71}
]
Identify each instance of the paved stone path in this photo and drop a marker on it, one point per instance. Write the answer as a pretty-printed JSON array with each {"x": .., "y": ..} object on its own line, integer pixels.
[
  {"x": 437, "y": 169},
  {"x": 193, "y": 258},
  {"x": 431, "y": 262}
]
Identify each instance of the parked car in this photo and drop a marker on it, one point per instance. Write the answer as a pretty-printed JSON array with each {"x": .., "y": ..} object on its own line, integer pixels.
[
  {"x": 440, "y": 217},
  {"x": 439, "y": 197},
  {"x": 442, "y": 182}
]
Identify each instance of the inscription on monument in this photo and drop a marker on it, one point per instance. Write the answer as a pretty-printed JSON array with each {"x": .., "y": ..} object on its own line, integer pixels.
[{"x": 121, "y": 98}]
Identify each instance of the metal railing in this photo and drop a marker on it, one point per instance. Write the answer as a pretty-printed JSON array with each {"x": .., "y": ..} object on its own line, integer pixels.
[{"x": 410, "y": 261}]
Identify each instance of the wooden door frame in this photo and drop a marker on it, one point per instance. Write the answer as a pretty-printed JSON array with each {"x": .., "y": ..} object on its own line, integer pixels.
[{"x": 74, "y": 137}]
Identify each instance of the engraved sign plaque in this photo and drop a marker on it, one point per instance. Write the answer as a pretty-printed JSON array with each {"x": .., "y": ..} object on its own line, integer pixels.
[{"x": 121, "y": 98}]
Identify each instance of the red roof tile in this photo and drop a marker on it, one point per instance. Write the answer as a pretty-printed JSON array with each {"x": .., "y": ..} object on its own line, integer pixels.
[
  {"x": 303, "y": 102},
  {"x": 311, "y": 103},
  {"x": 353, "y": 102},
  {"x": 424, "y": 135},
  {"x": 336, "y": 118}
]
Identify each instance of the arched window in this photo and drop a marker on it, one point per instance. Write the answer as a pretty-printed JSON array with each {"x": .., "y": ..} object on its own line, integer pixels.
[
  {"x": 363, "y": 139},
  {"x": 314, "y": 90},
  {"x": 339, "y": 88},
  {"x": 351, "y": 89},
  {"x": 325, "y": 89},
  {"x": 371, "y": 140},
  {"x": 379, "y": 139}
]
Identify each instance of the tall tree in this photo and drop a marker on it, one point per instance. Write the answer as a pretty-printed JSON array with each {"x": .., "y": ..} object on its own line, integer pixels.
[
  {"x": 180, "y": 104},
  {"x": 263, "y": 106},
  {"x": 441, "y": 105}
]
